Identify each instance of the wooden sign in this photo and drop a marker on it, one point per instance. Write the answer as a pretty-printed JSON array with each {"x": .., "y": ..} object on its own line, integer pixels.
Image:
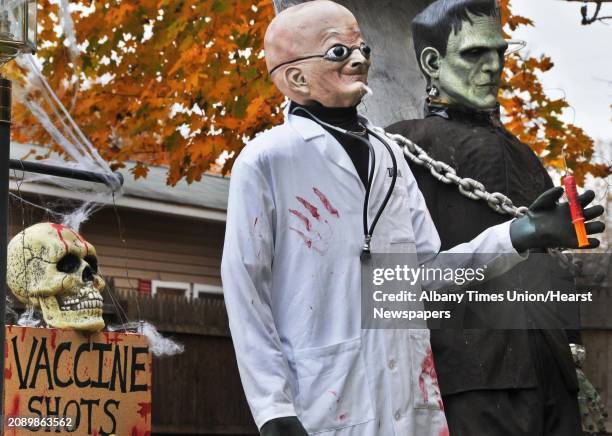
[{"x": 67, "y": 382}]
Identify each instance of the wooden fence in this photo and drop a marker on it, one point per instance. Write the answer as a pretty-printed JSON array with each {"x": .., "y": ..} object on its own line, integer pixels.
[{"x": 197, "y": 392}]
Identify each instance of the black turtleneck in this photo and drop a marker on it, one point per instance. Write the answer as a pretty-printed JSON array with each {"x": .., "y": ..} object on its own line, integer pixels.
[{"x": 345, "y": 118}]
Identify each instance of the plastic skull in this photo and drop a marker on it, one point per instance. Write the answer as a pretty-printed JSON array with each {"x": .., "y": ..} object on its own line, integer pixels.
[{"x": 53, "y": 268}]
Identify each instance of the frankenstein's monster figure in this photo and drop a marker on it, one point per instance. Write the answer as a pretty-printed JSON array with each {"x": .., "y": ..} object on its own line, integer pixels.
[{"x": 493, "y": 382}]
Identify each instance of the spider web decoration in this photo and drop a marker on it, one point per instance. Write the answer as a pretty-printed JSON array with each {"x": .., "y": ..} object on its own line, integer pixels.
[{"x": 34, "y": 91}]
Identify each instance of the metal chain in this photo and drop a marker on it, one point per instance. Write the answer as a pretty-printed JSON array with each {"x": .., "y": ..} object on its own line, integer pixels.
[
  {"x": 443, "y": 172},
  {"x": 470, "y": 188}
]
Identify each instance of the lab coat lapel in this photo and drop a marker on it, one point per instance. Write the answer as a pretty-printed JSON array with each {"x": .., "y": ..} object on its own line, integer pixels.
[{"x": 312, "y": 132}]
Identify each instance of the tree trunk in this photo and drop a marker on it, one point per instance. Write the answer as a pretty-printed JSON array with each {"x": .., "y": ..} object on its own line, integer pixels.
[{"x": 395, "y": 78}]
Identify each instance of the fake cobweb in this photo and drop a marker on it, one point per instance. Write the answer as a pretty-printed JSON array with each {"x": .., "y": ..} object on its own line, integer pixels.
[{"x": 37, "y": 95}]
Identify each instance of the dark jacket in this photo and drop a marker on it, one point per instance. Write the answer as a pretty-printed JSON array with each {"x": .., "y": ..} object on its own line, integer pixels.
[{"x": 478, "y": 147}]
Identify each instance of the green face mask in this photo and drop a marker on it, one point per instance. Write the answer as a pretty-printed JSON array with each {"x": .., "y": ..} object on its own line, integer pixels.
[{"x": 469, "y": 74}]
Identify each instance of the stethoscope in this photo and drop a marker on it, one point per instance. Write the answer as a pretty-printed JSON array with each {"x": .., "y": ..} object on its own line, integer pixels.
[{"x": 368, "y": 231}]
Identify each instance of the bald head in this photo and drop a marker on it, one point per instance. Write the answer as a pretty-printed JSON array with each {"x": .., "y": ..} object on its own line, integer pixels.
[
  {"x": 299, "y": 30},
  {"x": 307, "y": 29}
]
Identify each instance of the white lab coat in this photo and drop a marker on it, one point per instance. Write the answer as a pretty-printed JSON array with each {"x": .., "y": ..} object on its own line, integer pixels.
[{"x": 291, "y": 279}]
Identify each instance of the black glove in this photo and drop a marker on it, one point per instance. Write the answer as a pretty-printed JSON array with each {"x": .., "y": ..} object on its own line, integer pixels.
[
  {"x": 548, "y": 224},
  {"x": 286, "y": 426}
]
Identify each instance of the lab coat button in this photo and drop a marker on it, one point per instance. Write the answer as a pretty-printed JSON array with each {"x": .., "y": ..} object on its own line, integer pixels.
[
  {"x": 392, "y": 364},
  {"x": 398, "y": 415}
]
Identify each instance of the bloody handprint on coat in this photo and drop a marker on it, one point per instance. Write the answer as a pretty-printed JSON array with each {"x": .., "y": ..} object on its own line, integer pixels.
[{"x": 314, "y": 229}]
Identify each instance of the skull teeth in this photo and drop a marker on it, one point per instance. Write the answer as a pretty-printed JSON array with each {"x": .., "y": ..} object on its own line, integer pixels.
[
  {"x": 95, "y": 303},
  {"x": 73, "y": 301}
]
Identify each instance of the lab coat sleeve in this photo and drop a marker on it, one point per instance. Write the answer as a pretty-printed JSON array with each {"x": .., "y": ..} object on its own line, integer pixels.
[
  {"x": 246, "y": 272},
  {"x": 492, "y": 248}
]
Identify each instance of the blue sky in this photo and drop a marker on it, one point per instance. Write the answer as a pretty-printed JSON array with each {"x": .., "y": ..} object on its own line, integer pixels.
[{"x": 582, "y": 57}]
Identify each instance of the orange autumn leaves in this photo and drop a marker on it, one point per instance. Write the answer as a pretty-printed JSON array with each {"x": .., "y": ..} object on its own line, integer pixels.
[
  {"x": 178, "y": 82},
  {"x": 535, "y": 118},
  {"x": 172, "y": 82}
]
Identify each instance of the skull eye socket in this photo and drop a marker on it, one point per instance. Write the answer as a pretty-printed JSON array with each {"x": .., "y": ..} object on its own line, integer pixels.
[
  {"x": 93, "y": 263},
  {"x": 69, "y": 263}
]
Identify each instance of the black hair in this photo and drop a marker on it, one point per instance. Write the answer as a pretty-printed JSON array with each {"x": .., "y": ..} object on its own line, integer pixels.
[{"x": 432, "y": 27}]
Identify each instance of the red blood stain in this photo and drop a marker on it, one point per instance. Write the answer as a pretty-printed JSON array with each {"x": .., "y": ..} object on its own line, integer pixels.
[
  {"x": 80, "y": 238},
  {"x": 343, "y": 416},
  {"x": 58, "y": 228},
  {"x": 334, "y": 393},
  {"x": 144, "y": 410},
  {"x": 307, "y": 241},
  {"x": 330, "y": 208},
  {"x": 14, "y": 410},
  {"x": 444, "y": 432},
  {"x": 8, "y": 372},
  {"x": 115, "y": 339},
  {"x": 311, "y": 208},
  {"x": 428, "y": 369},
  {"x": 301, "y": 216},
  {"x": 95, "y": 432},
  {"x": 53, "y": 337},
  {"x": 138, "y": 432},
  {"x": 23, "y": 333}
]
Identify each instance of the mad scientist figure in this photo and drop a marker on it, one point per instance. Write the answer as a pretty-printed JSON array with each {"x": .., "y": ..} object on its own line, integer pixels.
[
  {"x": 295, "y": 231},
  {"x": 526, "y": 380}
]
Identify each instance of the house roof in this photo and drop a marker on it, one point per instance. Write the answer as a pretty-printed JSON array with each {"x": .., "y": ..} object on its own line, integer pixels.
[{"x": 206, "y": 199}]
